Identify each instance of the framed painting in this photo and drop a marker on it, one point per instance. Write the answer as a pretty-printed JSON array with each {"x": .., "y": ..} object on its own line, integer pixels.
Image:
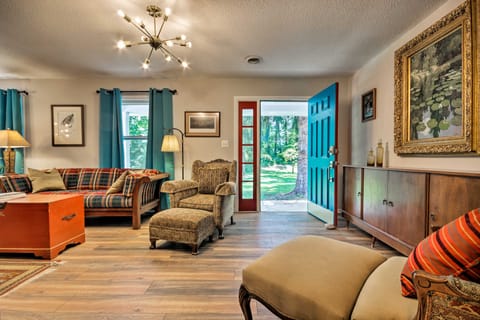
[
  {"x": 433, "y": 88},
  {"x": 202, "y": 124},
  {"x": 369, "y": 105},
  {"x": 67, "y": 125}
]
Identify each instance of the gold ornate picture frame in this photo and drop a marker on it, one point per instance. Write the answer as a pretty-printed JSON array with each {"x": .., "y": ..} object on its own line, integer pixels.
[{"x": 434, "y": 107}]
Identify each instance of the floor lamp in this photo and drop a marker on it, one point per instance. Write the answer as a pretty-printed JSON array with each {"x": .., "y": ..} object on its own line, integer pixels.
[
  {"x": 170, "y": 144},
  {"x": 11, "y": 139}
]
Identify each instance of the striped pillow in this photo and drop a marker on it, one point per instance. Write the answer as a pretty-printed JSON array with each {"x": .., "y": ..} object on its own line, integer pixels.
[{"x": 454, "y": 250}]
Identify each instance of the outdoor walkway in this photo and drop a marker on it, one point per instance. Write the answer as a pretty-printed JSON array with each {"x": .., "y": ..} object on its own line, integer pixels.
[{"x": 283, "y": 205}]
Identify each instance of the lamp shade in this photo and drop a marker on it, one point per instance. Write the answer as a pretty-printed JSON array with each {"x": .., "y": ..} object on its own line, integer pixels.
[
  {"x": 12, "y": 139},
  {"x": 170, "y": 143}
]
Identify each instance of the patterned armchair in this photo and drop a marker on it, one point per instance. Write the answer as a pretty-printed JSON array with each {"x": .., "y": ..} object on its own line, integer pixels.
[
  {"x": 212, "y": 188},
  {"x": 446, "y": 297}
]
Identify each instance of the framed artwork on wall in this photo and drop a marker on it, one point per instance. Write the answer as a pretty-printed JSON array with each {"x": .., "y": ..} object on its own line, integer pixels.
[
  {"x": 433, "y": 88},
  {"x": 67, "y": 125},
  {"x": 202, "y": 124},
  {"x": 369, "y": 105}
]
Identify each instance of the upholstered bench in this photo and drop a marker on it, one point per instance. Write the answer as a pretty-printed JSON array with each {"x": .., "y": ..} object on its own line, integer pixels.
[
  {"x": 189, "y": 226},
  {"x": 313, "y": 277}
]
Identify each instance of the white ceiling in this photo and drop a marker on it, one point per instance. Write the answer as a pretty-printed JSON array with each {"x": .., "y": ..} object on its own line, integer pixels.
[{"x": 295, "y": 38}]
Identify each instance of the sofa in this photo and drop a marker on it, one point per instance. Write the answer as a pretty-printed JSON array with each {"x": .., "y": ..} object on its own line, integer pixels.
[
  {"x": 212, "y": 188},
  {"x": 106, "y": 191}
]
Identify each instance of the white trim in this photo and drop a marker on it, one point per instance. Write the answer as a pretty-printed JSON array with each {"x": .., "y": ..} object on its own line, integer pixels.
[{"x": 236, "y": 101}]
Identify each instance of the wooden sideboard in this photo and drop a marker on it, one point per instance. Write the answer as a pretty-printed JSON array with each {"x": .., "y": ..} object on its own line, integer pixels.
[{"x": 400, "y": 207}]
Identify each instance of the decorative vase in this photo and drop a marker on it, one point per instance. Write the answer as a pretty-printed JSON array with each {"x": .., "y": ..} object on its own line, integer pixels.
[
  {"x": 379, "y": 156},
  {"x": 370, "y": 158}
]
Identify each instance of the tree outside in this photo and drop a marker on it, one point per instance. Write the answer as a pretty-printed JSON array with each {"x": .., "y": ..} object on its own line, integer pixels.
[
  {"x": 283, "y": 157},
  {"x": 137, "y": 145}
]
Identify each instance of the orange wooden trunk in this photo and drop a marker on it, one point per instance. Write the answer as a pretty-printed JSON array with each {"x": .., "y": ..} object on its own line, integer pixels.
[{"x": 42, "y": 224}]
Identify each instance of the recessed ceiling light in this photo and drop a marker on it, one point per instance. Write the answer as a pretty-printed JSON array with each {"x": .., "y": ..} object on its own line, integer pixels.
[{"x": 253, "y": 59}]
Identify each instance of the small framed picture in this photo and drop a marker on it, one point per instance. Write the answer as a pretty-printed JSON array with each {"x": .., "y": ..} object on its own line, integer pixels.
[
  {"x": 202, "y": 124},
  {"x": 67, "y": 125},
  {"x": 369, "y": 105}
]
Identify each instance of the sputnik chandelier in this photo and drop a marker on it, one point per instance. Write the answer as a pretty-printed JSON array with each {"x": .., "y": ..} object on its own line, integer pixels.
[{"x": 153, "y": 38}]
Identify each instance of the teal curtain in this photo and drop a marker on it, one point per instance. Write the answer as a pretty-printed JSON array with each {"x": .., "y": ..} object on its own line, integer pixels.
[
  {"x": 160, "y": 119},
  {"x": 12, "y": 117},
  {"x": 111, "y": 131}
]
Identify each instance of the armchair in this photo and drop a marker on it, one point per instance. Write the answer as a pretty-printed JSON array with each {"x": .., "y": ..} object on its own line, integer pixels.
[
  {"x": 212, "y": 188},
  {"x": 446, "y": 297}
]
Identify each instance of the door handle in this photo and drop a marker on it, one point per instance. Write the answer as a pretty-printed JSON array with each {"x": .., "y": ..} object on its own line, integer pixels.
[{"x": 330, "y": 176}]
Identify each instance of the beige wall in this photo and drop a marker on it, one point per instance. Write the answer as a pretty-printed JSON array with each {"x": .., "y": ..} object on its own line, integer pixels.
[
  {"x": 378, "y": 73},
  {"x": 212, "y": 94}
]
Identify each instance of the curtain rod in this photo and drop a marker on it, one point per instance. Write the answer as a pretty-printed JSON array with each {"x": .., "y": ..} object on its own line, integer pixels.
[
  {"x": 23, "y": 91},
  {"x": 174, "y": 91}
]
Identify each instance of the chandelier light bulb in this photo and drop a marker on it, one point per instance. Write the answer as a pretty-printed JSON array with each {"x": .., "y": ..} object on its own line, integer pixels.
[
  {"x": 169, "y": 43},
  {"x": 183, "y": 37},
  {"x": 121, "y": 44},
  {"x": 121, "y": 13},
  {"x": 168, "y": 58},
  {"x": 189, "y": 44},
  {"x": 146, "y": 64},
  {"x": 168, "y": 11},
  {"x": 184, "y": 64},
  {"x": 138, "y": 20}
]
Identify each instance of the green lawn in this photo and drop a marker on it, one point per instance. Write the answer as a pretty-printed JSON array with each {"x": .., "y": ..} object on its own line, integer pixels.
[{"x": 275, "y": 182}]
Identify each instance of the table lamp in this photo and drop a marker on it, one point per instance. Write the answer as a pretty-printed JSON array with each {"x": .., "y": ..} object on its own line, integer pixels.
[
  {"x": 170, "y": 144},
  {"x": 11, "y": 139}
]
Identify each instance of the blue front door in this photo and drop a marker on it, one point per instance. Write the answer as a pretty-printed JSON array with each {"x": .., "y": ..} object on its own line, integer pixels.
[{"x": 322, "y": 155}]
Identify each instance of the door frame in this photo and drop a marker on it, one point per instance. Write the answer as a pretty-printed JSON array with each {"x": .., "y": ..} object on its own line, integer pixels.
[{"x": 236, "y": 138}]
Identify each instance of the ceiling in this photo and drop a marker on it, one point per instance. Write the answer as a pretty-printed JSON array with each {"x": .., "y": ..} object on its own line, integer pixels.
[{"x": 295, "y": 38}]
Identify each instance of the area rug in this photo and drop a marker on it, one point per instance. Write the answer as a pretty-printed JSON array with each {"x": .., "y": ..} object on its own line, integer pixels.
[{"x": 13, "y": 274}]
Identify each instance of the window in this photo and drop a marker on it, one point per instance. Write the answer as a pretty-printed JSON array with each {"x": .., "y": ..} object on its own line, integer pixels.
[{"x": 135, "y": 129}]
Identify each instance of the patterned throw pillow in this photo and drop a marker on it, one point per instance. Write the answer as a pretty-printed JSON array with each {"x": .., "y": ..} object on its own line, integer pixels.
[
  {"x": 454, "y": 250},
  {"x": 210, "y": 178},
  {"x": 43, "y": 180},
  {"x": 16, "y": 183}
]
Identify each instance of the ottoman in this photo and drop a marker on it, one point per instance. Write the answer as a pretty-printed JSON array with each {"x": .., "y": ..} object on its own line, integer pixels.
[{"x": 189, "y": 226}]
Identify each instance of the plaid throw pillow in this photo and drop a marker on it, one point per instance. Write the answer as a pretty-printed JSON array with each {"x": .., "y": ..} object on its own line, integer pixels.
[{"x": 454, "y": 250}]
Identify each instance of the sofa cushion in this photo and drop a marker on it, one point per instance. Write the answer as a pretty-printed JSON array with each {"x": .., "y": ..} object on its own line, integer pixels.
[
  {"x": 96, "y": 178},
  {"x": 117, "y": 186},
  {"x": 99, "y": 199},
  {"x": 302, "y": 277},
  {"x": 70, "y": 177},
  {"x": 43, "y": 180},
  {"x": 198, "y": 201},
  {"x": 16, "y": 183},
  {"x": 381, "y": 296},
  {"x": 454, "y": 250},
  {"x": 210, "y": 178}
]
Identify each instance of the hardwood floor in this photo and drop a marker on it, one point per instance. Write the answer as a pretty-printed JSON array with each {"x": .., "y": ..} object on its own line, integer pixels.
[{"x": 114, "y": 275}]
